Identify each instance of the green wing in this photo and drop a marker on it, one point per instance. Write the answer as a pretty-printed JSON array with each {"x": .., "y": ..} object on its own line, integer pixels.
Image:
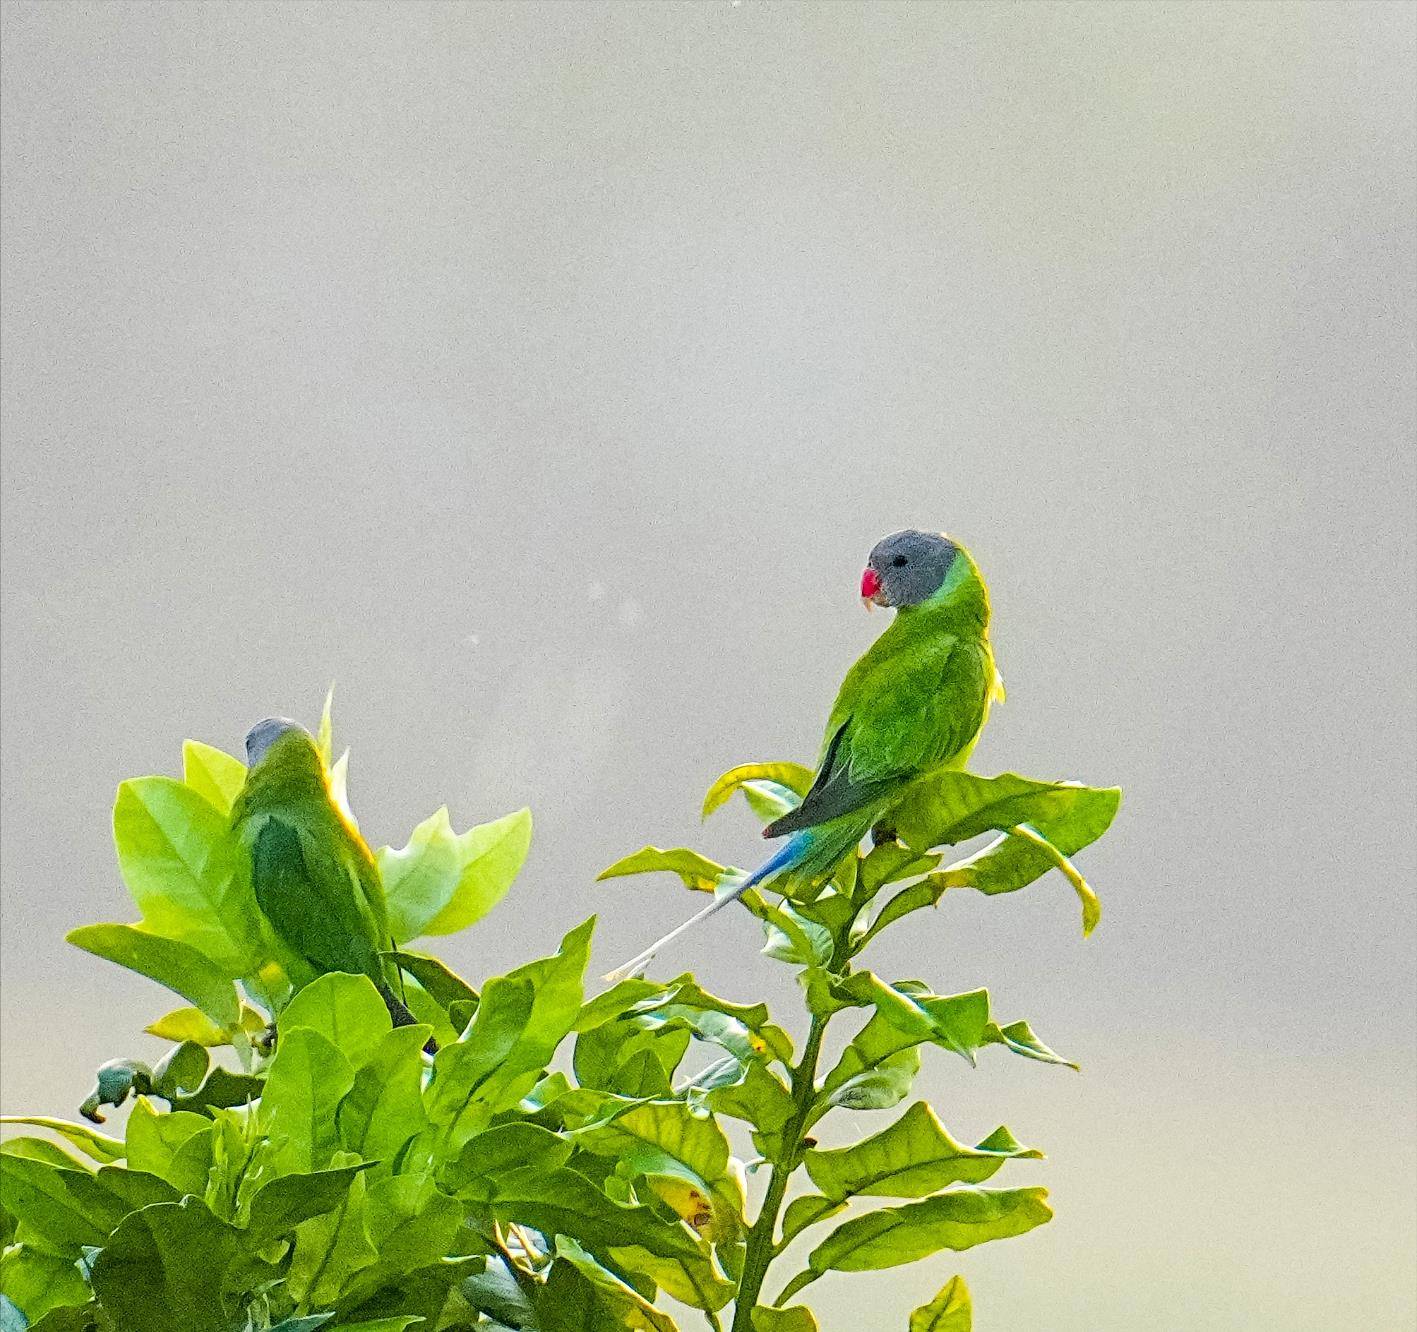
[
  {"x": 315, "y": 897},
  {"x": 899, "y": 714}
]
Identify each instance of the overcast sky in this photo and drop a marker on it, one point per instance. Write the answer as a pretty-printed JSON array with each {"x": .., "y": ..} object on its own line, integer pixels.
[{"x": 543, "y": 373}]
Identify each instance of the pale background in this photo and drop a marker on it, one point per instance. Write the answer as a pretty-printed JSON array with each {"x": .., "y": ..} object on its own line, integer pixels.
[{"x": 542, "y": 374}]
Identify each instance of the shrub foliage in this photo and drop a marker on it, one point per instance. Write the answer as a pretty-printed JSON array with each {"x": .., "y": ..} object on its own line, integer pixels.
[{"x": 565, "y": 1160}]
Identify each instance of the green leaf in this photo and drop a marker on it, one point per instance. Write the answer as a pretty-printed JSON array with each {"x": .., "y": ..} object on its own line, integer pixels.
[
  {"x": 410, "y": 1223},
  {"x": 35, "y": 1282},
  {"x": 565, "y": 1202},
  {"x": 798, "y": 1318},
  {"x": 220, "y": 1089},
  {"x": 283, "y": 1203},
  {"x": 914, "y": 1157},
  {"x": 809, "y": 944},
  {"x": 346, "y": 1010},
  {"x": 146, "y": 1278},
  {"x": 178, "y": 966},
  {"x": 180, "y": 863},
  {"x": 306, "y": 1324},
  {"x": 502, "y": 1150},
  {"x": 1019, "y": 1037},
  {"x": 792, "y": 778},
  {"x": 97, "y": 1146},
  {"x": 665, "y": 1138},
  {"x": 440, "y": 981},
  {"x": 191, "y": 1024},
  {"x": 325, "y": 733},
  {"x": 384, "y": 1107},
  {"x": 213, "y": 774},
  {"x": 582, "y": 1296},
  {"x": 696, "y": 1282},
  {"x": 176, "y": 1147},
  {"x": 443, "y": 881},
  {"x": 700, "y": 874},
  {"x": 331, "y": 1248},
  {"x": 956, "y": 1220},
  {"x": 306, "y": 1081},
  {"x": 1043, "y": 822},
  {"x": 520, "y": 1021},
  {"x": 806, "y": 1211},
  {"x": 949, "y": 1311},
  {"x": 65, "y": 1208}
]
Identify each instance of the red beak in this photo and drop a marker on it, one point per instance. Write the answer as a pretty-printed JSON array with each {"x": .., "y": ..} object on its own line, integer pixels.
[{"x": 870, "y": 587}]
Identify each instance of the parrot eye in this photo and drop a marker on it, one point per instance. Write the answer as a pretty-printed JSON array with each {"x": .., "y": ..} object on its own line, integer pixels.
[{"x": 900, "y": 562}]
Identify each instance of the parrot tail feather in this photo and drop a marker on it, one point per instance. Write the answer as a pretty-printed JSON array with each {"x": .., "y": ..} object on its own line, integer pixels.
[
  {"x": 790, "y": 852},
  {"x": 403, "y": 1015}
]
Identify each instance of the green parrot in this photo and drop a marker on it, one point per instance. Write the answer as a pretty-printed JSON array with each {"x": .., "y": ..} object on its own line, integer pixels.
[
  {"x": 313, "y": 875},
  {"x": 913, "y": 705}
]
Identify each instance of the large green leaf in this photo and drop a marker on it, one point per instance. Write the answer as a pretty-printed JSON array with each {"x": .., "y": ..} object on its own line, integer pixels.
[
  {"x": 95, "y": 1145},
  {"x": 191, "y": 1024},
  {"x": 178, "y": 966},
  {"x": 306, "y": 1081},
  {"x": 798, "y": 1318},
  {"x": 176, "y": 1147},
  {"x": 582, "y": 1296},
  {"x": 1043, "y": 823},
  {"x": 65, "y": 1208},
  {"x": 565, "y": 1202},
  {"x": 959, "y": 1219},
  {"x": 281, "y": 1204},
  {"x": 699, "y": 873},
  {"x": 213, "y": 774},
  {"x": 665, "y": 1138},
  {"x": 503, "y": 1150},
  {"x": 384, "y": 1107},
  {"x": 521, "y": 1019},
  {"x": 164, "y": 1269},
  {"x": 949, "y": 1311},
  {"x": 774, "y": 785},
  {"x": 36, "y": 1282},
  {"x": 914, "y": 1157},
  {"x": 443, "y": 881},
  {"x": 696, "y": 1281},
  {"x": 346, "y": 1010},
  {"x": 180, "y": 863},
  {"x": 331, "y": 1248}
]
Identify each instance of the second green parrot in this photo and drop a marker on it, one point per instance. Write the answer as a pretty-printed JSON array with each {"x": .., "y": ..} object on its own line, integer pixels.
[
  {"x": 913, "y": 705},
  {"x": 314, "y": 877}
]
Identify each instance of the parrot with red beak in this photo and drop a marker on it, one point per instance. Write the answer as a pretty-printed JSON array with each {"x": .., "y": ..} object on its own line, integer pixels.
[{"x": 913, "y": 705}]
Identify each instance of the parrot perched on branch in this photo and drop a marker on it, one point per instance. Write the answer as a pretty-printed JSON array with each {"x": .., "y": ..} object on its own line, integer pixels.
[
  {"x": 914, "y": 704},
  {"x": 313, "y": 876}
]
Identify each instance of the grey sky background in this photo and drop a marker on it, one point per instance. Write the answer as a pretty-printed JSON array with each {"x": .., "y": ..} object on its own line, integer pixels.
[{"x": 542, "y": 374}]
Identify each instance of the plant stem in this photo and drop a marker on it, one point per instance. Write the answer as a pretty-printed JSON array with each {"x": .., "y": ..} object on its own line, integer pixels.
[{"x": 761, "y": 1242}]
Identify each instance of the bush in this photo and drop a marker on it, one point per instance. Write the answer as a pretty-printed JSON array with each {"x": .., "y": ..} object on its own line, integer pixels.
[{"x": 296, "y": 1162}]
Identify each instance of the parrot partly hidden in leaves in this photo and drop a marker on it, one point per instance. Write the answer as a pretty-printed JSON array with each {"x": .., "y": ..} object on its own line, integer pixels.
[
  {"x": 313, "y": 875},
  {"x": 913, "y": 705}
]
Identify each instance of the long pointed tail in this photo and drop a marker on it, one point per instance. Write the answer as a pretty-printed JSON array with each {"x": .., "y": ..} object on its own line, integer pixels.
[{"x": 786, "y": 856}]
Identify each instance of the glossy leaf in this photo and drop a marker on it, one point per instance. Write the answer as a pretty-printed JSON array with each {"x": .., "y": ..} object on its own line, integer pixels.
[
  {"x": 797, "y": 1318},
  {"x": 956, "y": 1220},
  {"x": 699, "y": 874},
  {"x": 178, "y": 966},
  {"x": 346, "y": 1010},
  {"x": 791, "y": 778},
  {"x": 213, "y": 774},
  {"x": 914, "y": 1157},
  {"x": 35, "y": 1282},
  {"x": 191, "y": 1024},
  {"x": 179, "y": 862},
  {"x": 384, "y": 1106},
  {"x": 443, "y": 881},
  {"x": 306, "y": 1081},
  {"x": 175, "y": 1146},
  {"x": 664, "y": 1138},
  {"x": 565, "y": 1202},
  {"x": 97, "y": 1146},
  {"x": 582, "y": 1296},
  {"x": 949, "y": 1311},
  {"x": 281, "y": 1204},
  {"x": 146, "y": 1278}
]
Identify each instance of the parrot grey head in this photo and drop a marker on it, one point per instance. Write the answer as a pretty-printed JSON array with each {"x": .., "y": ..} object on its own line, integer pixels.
[
  {"x": 907, "y": 568},
  {"x": 264, "y": 734}
]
